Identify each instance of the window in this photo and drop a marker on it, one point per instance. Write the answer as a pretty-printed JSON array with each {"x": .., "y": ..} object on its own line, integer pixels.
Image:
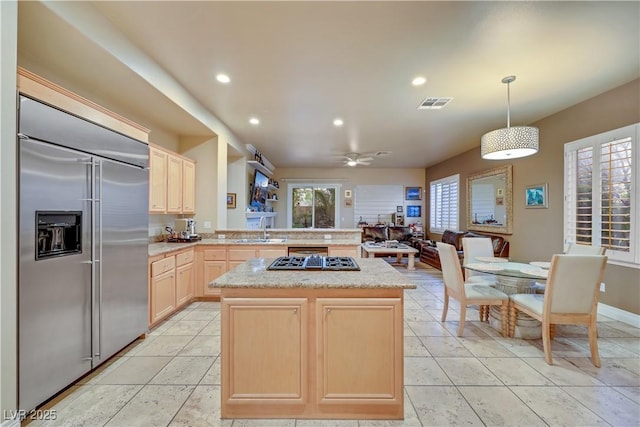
[
  {"x": 444, "y": 201},
  {"x": 313, "y": 206},
  {"x": 601, "y": 193}
]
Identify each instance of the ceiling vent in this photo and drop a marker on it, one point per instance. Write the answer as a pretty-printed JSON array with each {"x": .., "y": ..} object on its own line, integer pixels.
[{"x": 431, "y": 103}]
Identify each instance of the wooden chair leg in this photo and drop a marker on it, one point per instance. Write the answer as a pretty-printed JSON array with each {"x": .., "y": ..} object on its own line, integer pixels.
[
  {"x": 485, "y": 312},
  {"x": 504, "y": 310},
  {"x": 463, "y": 314},
  {"x": 445, "y": 308},
  {"x": 481, "y": 312},
  {"x": 593, "y": 342},
  {"x": 552, "y": 331},
  {"x": 546, "y": 342},
  {"x": 512, "y": 320}
]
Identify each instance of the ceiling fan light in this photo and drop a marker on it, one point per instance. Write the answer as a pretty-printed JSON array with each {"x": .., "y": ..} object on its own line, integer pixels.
[
  {"x": 509, "y": 143},
  {"x": 352, "y": 163}
]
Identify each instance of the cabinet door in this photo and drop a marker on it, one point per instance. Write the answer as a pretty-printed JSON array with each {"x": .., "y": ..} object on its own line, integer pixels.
[
  {"x": 272, "y": 252},
  {"x": 157, "y": 181},
  {"x": 174, "y": 184},
  {"x": 212, "y": 270},
  {"x": 184, "y": 284},
  {"x": 163, "y": 295},
  {"x": 188, "y": 187},
  {"x": 265, "y": 344},
  {"x": 352, "y": 251},
  {"x": 359, "y": 350}
]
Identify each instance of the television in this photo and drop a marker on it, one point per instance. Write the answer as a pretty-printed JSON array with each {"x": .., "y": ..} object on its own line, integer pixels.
[{"x": 259, "y": 191}]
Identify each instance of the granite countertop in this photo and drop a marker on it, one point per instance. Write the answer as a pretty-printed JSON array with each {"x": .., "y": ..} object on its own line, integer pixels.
[
  {"x": 374, "y": 274},
  {"x": 164, "y": 247}
]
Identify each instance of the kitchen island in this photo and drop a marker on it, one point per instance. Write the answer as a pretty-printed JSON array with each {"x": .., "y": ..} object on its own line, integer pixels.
[{"x": 312, "y": 344}]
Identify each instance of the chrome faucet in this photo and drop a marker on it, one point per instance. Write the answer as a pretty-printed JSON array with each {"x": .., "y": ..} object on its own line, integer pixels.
[{"x": 263, "y": 225}]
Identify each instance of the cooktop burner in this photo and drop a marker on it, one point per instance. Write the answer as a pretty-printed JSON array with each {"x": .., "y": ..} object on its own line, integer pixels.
[{"x": 314, "y": 262}]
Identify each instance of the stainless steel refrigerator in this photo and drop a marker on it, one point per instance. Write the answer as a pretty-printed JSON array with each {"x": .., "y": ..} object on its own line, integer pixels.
[{"x": 83, "y": 247}]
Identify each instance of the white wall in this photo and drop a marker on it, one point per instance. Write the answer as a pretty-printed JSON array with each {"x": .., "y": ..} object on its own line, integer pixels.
[
  {"x": 8, "y": 257},
  {"x": 237, "y": 183}
]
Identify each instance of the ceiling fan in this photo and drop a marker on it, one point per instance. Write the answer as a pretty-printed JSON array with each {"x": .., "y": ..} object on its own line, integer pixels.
[{"x": 353, "y": 159}]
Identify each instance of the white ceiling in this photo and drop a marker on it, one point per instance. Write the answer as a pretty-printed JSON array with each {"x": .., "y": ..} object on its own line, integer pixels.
[{"x": 299, "y": 65}]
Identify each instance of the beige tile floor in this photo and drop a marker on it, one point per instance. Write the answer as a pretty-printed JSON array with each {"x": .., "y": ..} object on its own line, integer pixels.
[{"x": 172, "y": 378}]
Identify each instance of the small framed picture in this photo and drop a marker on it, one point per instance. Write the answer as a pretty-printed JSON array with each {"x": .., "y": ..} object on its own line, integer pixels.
[
  {"x": 348, "y": 202},
  {"x": 399, "y": 209},
  {"x": 536, "y": 196},
  {"x": 414, "y": 211},
  {"x": 413, "y": 193},
  {"x": 347, "y": 194},
  {"x": 231, "y": 200}
]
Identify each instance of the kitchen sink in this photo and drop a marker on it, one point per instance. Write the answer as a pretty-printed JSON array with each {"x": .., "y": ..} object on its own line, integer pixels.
[{"x": 260, "y": 240}]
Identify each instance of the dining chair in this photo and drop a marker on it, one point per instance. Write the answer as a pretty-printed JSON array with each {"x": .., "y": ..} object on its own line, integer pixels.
[
  {"x": 467, "y": 293},
  {"x": 577, "y": 249},
  {"x": 571, "y": 297},
  {"x": 474, "y": 247}
]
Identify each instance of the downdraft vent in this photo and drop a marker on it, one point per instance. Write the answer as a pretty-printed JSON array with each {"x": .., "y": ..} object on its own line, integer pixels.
[{"x": 434, "y": 103}]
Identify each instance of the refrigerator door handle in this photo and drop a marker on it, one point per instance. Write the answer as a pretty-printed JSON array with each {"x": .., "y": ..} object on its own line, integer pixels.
[{"x": 98, "y": 207}]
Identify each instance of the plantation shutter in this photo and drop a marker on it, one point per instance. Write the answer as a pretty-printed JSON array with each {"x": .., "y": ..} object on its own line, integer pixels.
[
  {"x": 444, "y": 202},
  {"x": 615, "y": 176}
]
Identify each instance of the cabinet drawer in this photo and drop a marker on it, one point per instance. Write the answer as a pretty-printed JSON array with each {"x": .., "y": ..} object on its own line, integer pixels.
[
  {"x": 218, "y": 254},
  {"x": 184, "y": 258},
  {"x": 163, "y": 266},
  {"x": 241, "y": 254}
]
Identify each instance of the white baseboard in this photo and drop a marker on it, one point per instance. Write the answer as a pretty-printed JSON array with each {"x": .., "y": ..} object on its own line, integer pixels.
[{"x": 617, "y": 314}]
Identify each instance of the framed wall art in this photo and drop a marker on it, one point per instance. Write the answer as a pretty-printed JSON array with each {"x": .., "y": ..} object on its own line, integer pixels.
[
  {"x": 413, "y": 193},
  {"x": 231, "y": 200},
  {"x": 414, "y": 211},
  {"x": 536, "y": 196}
]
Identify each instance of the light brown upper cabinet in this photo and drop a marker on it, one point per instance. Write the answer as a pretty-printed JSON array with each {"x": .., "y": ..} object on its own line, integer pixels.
[
  {"x": 171, "y": 182},
  {"x": 157, "y": 180},
  {"x": 188, "y": 187}
]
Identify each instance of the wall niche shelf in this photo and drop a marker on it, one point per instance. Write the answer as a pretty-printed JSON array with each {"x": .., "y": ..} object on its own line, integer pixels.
[
  {"x": 262, "y": 168},
  {"x": 266, "y": 167}
]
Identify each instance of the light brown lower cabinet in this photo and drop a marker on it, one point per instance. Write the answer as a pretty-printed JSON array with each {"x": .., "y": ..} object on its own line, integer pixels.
[
  {"x": 311, "y": 356},
  {"x": 162, "y": 295},
  {"x": 353, "y": 252}
]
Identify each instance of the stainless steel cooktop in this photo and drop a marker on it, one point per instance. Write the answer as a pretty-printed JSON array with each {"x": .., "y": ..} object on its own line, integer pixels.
[{"x": 314, "y": 262}]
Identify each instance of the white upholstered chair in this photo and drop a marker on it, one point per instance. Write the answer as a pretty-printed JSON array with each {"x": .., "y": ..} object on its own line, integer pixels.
[
  {"x": 575, "y": 249},
  {"x": 474, "y": 247},
  {"x": 467, "y": 293},
  {"x": 571, "y": 297}
]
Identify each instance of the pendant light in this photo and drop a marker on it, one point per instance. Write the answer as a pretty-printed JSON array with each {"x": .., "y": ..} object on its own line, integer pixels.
[{"x": 510, "y": 142}]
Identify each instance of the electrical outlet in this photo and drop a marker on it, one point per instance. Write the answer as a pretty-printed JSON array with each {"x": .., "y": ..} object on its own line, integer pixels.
[
  {"x": 206, "y": 225},
  {"x": 222, "y": 236},
  {"x": 327, "y": 237},
  {"x": 602, "y": 287}
]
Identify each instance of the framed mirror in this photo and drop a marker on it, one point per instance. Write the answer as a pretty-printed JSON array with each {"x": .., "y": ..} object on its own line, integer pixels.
[{"x": 489, "y": 201}]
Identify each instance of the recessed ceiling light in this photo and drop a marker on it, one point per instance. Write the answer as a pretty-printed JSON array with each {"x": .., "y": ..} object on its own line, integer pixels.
[
  {"x": 418, "y": 81},
  {"x": 223, "y": 78},
  {"x": 254, "y": 121},
  {"x": 338, "y": 122}
]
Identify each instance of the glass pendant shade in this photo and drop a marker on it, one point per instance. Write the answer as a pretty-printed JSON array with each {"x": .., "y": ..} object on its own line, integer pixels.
[{"x": 510, "y": 142}]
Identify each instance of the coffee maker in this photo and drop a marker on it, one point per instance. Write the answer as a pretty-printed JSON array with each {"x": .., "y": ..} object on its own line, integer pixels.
[{"x": 185, "y": 228}]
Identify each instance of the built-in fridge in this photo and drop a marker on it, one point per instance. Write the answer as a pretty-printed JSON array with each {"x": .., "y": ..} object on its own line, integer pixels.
[{"x": 83, "y": 247}]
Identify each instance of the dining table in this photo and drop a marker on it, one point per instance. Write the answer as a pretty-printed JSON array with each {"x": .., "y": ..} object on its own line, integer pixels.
[{"x": 513, "y": 277}]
